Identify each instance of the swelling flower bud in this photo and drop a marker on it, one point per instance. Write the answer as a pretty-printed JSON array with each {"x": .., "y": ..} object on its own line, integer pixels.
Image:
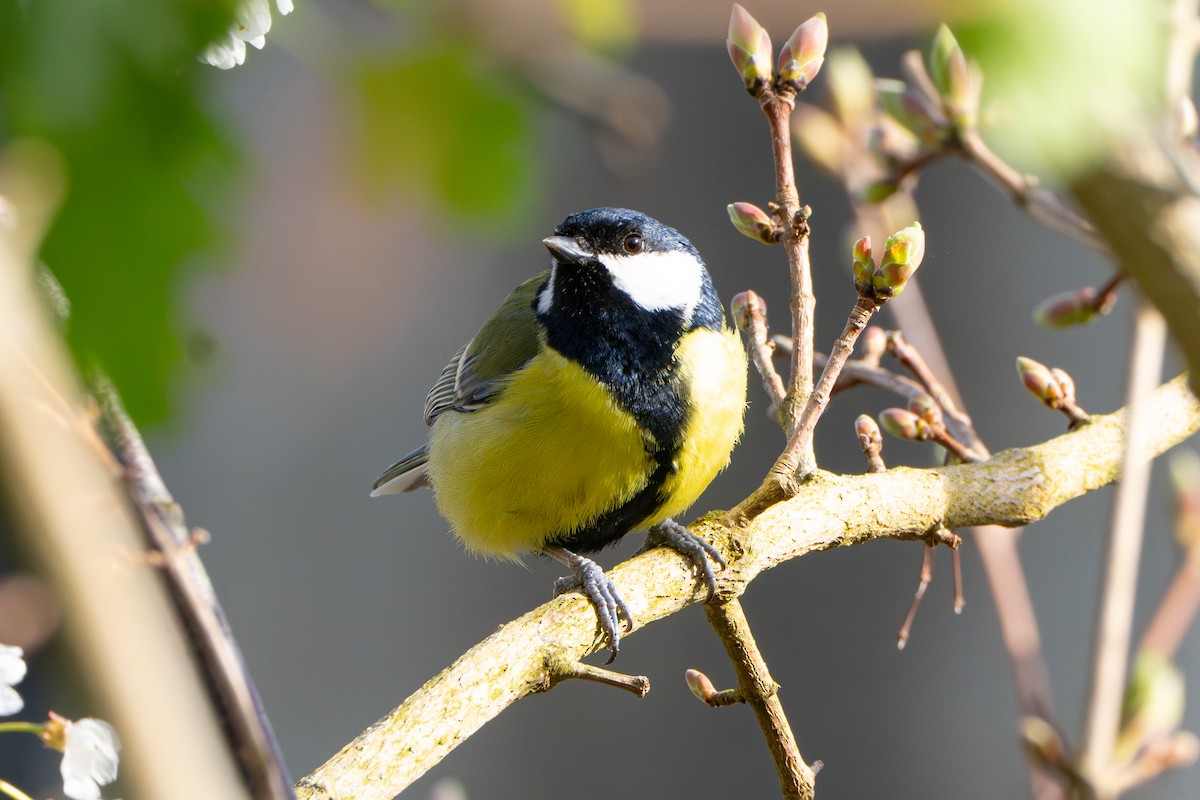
[
  {"x": 903, "y": 424},
  {"x": 1039, "y": 380},
  {"x": 700, "y": 684},
  {"x": 752, "y": 221},
  {"x": 749, "y": 48},
  {"x": 868, "y": 432},
  {"x": 925, "y": 408},
  {"x": 801, "y": 58},
  {"x": 1070, "y": 308},
  {"x": 863, "y": 264}
]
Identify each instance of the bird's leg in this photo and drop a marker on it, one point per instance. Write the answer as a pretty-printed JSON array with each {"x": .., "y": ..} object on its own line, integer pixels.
[
  {"x": 688, "y": 545},
  {"x": 600, "y": 591}
]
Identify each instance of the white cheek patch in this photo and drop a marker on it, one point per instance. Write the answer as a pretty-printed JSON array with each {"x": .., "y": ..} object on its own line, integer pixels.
[
  {"x": 658, "y": 281},
  {"x": 546, "y": 298}
]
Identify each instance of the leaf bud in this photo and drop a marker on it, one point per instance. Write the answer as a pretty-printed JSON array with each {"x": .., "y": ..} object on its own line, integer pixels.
[
  {"x": 867, "y": 431},
  {"x": 1039, "y": 380},
  {"x": 902, "y": 254},
  {"x": 752, "y": 221}
]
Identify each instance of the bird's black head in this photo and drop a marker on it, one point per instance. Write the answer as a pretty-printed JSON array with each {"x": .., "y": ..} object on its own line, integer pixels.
[{"x": 607, "y": 259}]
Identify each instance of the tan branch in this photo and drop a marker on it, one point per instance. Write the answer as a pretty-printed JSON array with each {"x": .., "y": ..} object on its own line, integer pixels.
[
  {"x": 1015, "y": 487},
  {"x": 758, "y": 690}
]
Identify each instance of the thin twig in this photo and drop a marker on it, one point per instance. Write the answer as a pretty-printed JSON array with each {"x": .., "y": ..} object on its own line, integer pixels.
[
  {"x": 922, "y": 584},
  {"x": 1124, "y": 548},
  {"x": 758, "y": 690},
  {"x": 793, "y": 220},
  {"x": 781, "y": 480},
  {"x": 761, "y": 349}
]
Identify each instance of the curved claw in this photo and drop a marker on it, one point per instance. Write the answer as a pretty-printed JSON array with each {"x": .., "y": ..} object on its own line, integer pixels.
[
  {"x": 690, "y": 546},
  {"x": 601, "y": 592}
]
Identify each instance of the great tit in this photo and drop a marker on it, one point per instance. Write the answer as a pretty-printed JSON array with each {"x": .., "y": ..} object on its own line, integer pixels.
[{"x": 602, "y": 398}]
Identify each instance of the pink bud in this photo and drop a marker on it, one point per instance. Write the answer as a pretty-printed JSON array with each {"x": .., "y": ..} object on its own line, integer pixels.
[{"x": 801, "y": 58}]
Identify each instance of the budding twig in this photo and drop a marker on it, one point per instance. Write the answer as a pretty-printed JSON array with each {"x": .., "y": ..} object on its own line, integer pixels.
[
  {"x": 749, "y": 313},
  {"x": 757, "y": 689}
]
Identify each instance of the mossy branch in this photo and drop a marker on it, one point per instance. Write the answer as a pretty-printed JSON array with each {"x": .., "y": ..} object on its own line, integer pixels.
[{"x": 1015, "y": 487}]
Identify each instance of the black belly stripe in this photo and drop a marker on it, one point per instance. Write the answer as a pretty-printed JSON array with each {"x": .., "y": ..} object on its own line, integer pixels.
[{"x": 632, "y": 352}]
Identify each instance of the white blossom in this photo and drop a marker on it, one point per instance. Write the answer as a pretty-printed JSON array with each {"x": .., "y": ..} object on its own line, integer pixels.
[
  {"x": 12, "y": 672},
  {"x": 253, "y": 22},
  {"x": 225, "y": 53},
  {"x": 250, "y": 26},
  {"x": 89, "y": 758}
]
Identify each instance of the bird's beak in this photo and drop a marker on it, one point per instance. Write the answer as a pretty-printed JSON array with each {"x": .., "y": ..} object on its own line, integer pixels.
[{"x": 565, "y": 249}]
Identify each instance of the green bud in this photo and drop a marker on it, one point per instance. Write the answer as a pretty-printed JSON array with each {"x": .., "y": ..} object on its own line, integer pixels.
[
  {"x": 903, "y": 424},
  {"x": 1154, "y": 704},
  {"x": 924, "y": 407},
  {"x": 902, "y": 254},
  {"x": 877, "y": 191},
  {"x": 752, "y": 221},
  {"x": 802, "y": 56},
  {"x": 1039, "y": 380},
  {"x": 942, "y": 55},
  {"x": 956, "y": 81},
  {"x": 862, "y": 263},
  {"x": 749, "y": 48},
  {"x": 911, "y": 109},
  {"x": 1071, "y": 308},
  {"x": 868, "y": 431}
]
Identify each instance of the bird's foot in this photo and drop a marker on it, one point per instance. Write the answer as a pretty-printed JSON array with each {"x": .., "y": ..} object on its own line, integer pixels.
[
  {"x": 690, "y": 546},
  {"x": 598, "y": 588}
]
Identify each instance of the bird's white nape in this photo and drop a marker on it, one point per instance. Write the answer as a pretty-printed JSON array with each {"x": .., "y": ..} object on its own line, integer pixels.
[{"x": 658, "y": 281}]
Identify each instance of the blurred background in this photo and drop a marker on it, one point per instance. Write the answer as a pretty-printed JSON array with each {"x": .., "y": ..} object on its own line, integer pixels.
[{"x": 274, "y": 263}]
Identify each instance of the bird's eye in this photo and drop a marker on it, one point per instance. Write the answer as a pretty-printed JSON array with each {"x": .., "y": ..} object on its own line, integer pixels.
[{"x": 633, "y": 243}]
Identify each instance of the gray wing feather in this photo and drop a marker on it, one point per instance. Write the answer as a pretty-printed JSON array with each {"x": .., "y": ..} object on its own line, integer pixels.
[
  {"x": 405, "y": 475},
  {"x": 444, "y": 393}
]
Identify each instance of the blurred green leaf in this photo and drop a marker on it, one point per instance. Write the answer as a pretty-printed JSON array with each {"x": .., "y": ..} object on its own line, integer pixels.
[
  {"x": 449, "y": 128},
  {"x": 114, "y": 87},
  {"x": 607, "y": 26}
]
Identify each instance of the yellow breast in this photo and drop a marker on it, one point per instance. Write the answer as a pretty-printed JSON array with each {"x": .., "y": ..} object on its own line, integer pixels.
[
  {"x": 510, "y": 475},
  {"x": 553, "y": 451},
  {"x": 714, "y": 368}
]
